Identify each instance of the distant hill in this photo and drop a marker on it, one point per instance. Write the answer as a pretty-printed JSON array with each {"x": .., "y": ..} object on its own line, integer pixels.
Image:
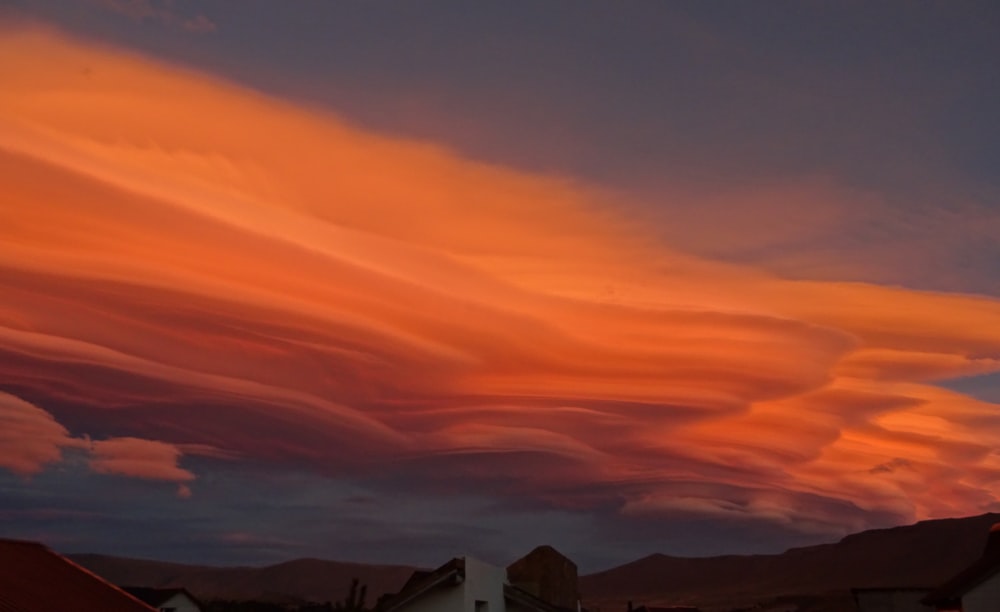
[
  {"x": 810, "y": 579},
  {"x": 300, "y": 580}
]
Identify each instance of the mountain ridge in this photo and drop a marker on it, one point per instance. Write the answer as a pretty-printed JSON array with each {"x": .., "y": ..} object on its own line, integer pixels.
[
  {"x": 922, "y": 555},
  {"x": 305, "y": 579},
  {"x": 810, "y": 578}
]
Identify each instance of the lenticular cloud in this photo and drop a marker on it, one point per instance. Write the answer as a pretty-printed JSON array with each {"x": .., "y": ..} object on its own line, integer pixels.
[{"x": 187, "y": 264}]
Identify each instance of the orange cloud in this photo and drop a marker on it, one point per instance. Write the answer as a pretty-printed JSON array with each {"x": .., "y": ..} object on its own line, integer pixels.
[
  {"x": 137, "y": 458},
  {"x": 191, "y": 262},
  {"x": 30, "y": 438}
]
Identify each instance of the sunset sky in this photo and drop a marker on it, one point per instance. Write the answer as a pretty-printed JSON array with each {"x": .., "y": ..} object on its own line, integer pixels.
[{"x": 400, "y": 281}]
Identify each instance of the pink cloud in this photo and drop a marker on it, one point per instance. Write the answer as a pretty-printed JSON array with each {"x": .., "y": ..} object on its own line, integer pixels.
[
  {"x": 161, "y": 11},
  {"x": 200, "y": 23},
  {"x": 30, "y": 438},
  {"x": 138, "y": 458}
]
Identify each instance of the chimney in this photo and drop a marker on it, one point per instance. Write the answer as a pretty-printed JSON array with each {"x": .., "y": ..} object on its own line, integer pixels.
[{"x": 547, "y": 574}]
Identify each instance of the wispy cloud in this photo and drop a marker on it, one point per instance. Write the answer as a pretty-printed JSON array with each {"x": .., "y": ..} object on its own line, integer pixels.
[
  {"x": 216, "y": 269},
  {"x": 163, "y": 12}
]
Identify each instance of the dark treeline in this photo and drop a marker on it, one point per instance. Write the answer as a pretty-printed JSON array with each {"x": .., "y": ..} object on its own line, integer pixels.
[
  {"x": 354, "y": 602},
  {"x": 266, "y": 606}
]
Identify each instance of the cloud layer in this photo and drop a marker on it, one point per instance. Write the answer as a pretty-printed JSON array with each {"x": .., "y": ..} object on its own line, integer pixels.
[
  {"x": 189, "y": 265},
  {"x": 31, "y": 440}
]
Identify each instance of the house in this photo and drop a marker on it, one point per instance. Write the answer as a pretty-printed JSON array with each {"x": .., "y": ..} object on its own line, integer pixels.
[
  {"x": 466, "y": 584},
  {"x": 977, "y": 587},
  {"x": 165, "y": 600},
  {"x": 898, "y": 599},
  {"x": 36, "y": 579}
]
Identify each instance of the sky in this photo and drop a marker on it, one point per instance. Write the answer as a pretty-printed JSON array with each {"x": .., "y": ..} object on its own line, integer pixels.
[{"x": 396, "y": 282}]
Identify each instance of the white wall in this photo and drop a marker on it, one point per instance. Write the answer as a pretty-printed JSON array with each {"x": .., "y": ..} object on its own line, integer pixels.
[
  {"x": 983, "y": 598},
  {"x": 484, "y": 582}
]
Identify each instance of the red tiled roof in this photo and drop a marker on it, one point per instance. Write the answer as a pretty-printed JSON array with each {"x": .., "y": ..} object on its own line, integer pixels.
[{"x": 35, "y": 579}]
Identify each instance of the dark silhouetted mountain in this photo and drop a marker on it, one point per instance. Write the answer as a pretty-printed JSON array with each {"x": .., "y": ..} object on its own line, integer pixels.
[
  {"x": 300, "y": 580},
  {"x": 810, "y": 578}
]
